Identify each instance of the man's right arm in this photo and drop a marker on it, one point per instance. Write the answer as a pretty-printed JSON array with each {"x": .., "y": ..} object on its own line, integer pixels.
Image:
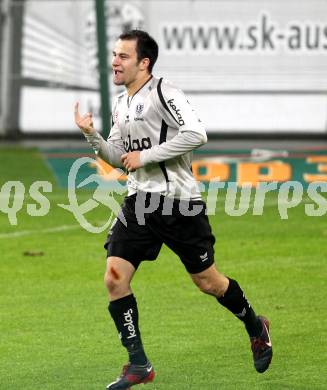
[{"x": 110, "y": 150}]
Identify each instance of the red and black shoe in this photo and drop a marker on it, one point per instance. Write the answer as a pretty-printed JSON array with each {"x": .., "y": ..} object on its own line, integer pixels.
[
  {"x": 133, "y": 375},
  {"x": 261, "y": 347}
]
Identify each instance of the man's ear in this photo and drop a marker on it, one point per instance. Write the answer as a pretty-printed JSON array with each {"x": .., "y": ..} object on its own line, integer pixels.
[{"x": 145, "y": 62}]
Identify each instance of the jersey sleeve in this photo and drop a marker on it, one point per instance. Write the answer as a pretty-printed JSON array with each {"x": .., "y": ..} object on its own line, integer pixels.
[
  {"x": 110, "y": 150},
  {"x": 174, "y": 108}
]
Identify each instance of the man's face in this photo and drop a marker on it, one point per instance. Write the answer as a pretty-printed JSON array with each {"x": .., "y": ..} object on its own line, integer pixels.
[{"x": 126, "y": 68}]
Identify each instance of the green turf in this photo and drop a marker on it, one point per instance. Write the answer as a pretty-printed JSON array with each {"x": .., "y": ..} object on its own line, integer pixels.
[{"x": 54, "y": 328}]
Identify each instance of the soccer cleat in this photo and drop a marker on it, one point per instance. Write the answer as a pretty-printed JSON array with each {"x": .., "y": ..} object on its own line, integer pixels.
[
  {"x": 261, "y": 347},
  {"x": 133, "y": 375}
]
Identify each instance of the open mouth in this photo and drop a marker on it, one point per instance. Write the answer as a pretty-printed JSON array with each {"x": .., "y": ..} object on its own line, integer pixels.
[{"x": 117, "y": 72}]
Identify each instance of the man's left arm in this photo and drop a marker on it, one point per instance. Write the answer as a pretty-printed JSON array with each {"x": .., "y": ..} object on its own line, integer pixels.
[{"x": 177, "y": 113}]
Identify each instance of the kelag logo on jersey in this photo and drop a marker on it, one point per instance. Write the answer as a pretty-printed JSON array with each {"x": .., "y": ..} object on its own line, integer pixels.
[
  {"x": 180, "y": 119},
  {"x": 131, "y": 145}
]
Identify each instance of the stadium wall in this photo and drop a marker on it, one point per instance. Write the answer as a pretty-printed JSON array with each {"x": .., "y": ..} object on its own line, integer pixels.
[{"x": 249, "y": 67}]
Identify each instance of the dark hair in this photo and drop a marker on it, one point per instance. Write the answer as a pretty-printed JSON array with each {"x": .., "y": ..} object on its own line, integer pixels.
[{"x": 146, "y": 46}]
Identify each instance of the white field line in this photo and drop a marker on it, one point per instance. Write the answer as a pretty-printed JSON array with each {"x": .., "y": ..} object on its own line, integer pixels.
[{"x": 39, "y": 231}]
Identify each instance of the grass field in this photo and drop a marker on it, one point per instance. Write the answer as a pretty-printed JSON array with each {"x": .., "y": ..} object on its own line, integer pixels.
[{"x": 56, "y": 335}]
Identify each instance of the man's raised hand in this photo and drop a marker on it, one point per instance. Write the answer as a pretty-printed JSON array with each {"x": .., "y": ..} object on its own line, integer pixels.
[{"x": 85, "y": 122}]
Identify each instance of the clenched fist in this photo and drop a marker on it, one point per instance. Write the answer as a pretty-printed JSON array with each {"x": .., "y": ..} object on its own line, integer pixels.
[
  {"x": 85, "y": 122},
  {"x": 131, "y": 161}
]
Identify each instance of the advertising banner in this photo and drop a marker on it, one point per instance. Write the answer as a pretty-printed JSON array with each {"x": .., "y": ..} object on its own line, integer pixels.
[
  {"x": 249, "y": 66},
  {"x": 239, "y": 45},
  {"x": 244, "y": 167},
  {"x": 246, "y": 65}
]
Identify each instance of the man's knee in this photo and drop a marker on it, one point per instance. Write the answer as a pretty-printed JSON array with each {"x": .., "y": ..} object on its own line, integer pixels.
[
  {"x": 117, "y": 276},
  {"x": 211, "y": 282},
  {"x": 113, "y": 279}
]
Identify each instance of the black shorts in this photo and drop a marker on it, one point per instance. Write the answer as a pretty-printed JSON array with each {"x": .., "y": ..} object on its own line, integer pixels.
[{"x": 140, "y": 236}]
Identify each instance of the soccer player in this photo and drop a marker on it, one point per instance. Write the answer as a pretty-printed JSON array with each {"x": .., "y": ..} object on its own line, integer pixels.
[{"x": 154, "y": 131}]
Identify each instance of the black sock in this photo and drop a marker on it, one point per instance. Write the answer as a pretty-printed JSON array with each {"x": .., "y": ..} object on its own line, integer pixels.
[
  {"x": 235, "y": 301},
  {"x": 125, "y": 315}
]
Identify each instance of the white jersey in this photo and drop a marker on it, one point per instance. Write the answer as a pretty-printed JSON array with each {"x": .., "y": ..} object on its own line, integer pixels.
[{"x": 159, "y": 122}]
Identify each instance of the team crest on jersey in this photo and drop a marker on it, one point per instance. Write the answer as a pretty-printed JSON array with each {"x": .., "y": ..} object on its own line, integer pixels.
[{"x": 139, "y": 109}]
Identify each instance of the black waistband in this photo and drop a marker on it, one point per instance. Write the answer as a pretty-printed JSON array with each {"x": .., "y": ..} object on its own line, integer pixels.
[{"x": 160, "y": 202}]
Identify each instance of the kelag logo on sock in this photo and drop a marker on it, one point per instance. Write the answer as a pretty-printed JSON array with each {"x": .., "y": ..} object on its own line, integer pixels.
[{"x": 129, "y": 323}]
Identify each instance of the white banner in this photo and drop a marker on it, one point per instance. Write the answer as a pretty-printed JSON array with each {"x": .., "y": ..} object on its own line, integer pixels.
[
  {"x": 242, "y": 45},
  {"x": 246, "y": 65}
]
